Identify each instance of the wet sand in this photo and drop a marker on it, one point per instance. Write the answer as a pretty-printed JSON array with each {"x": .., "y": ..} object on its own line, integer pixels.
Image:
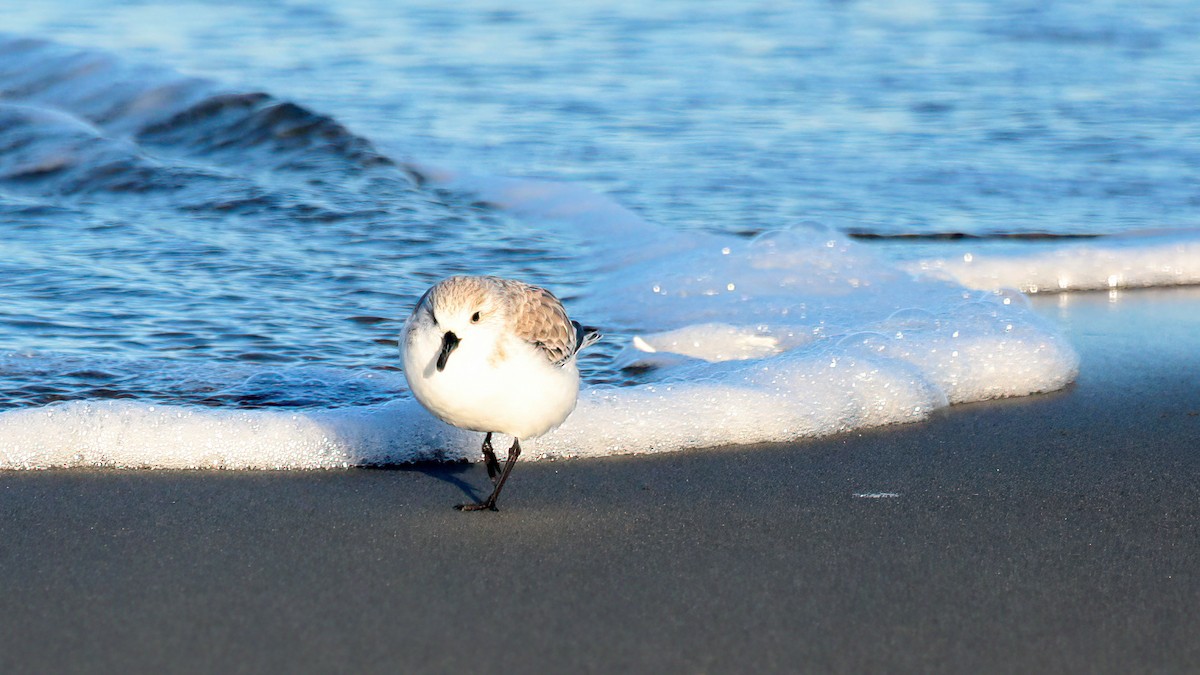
[{"x": 1050, "y": 533}]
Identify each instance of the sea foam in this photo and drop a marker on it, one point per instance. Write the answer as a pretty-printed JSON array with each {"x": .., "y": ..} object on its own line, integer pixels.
[
  {"x": 790, "y": 335},
  {"x": 1131, "y": 260}
]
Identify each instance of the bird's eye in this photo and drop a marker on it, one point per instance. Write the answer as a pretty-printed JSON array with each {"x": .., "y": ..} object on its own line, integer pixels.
[{"x": 475, "y": 317}]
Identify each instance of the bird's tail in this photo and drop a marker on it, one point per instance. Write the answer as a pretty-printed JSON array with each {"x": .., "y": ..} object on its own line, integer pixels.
[{"x": 585, "y": 336}]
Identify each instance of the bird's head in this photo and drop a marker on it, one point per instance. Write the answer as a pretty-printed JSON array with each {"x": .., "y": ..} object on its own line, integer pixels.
[{"x": 463, "y": 311}]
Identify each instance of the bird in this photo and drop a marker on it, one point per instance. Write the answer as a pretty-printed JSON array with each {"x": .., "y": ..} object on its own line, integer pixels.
[{"x": 495, "y": 355}]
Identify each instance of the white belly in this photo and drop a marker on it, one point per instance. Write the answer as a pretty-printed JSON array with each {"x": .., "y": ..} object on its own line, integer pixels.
[{"x": 523, "y": 395}]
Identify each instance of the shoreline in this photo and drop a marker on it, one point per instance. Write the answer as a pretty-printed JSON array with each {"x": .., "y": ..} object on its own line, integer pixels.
[{"x": 1051, "y": 532}]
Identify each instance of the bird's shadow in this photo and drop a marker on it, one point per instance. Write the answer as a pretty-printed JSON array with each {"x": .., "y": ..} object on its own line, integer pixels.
[{"x": 449, "y": 472}]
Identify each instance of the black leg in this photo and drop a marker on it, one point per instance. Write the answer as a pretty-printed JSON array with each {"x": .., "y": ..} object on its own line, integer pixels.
[
  {"x": 489, "y": 504},
  {"x": 493, "y": 466}
]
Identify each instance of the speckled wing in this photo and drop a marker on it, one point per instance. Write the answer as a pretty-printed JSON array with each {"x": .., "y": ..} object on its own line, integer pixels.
[{"x": 541, "y": 320}]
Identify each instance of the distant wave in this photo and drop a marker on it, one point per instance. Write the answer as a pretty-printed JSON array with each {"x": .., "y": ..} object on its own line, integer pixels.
[
  {"x": 967, "y": 236},
  {"x": 75, "y": 121}
]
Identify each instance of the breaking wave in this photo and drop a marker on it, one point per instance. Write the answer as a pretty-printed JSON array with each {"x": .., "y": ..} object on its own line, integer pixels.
[{"x": 202, "y": 277}]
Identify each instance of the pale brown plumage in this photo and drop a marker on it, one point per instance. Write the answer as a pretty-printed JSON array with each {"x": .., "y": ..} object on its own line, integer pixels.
[
  {"x": 535, "y": 315},
  {"x": 540, "y": 319}
]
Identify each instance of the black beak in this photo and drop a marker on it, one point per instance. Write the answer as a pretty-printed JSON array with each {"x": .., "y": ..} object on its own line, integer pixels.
[{"x": 449, "y": 343}]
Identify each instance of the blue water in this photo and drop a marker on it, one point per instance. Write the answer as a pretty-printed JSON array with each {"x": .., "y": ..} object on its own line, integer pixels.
[
  {"x": 960, "y": 116},
  {"x": 170, "y": 234}
]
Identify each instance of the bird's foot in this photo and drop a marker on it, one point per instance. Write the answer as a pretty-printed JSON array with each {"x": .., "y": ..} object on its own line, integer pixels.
[
  {"x": 489, "y": 504},
  {"x": 484, "y": 506}
]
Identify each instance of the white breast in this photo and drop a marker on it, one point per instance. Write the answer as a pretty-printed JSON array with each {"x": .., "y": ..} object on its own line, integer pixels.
[{"x": 521, "y": 395}]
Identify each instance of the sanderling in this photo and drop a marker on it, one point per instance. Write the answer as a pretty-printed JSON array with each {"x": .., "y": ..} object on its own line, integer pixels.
[{"x": 513, "y": 369}]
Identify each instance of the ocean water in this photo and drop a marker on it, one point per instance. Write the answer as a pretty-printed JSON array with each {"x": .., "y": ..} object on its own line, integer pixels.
[{"x": 788, "y": 222}]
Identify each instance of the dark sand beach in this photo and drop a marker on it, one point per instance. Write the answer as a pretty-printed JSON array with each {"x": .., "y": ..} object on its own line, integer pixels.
[{"x": 1052, "y": 533}]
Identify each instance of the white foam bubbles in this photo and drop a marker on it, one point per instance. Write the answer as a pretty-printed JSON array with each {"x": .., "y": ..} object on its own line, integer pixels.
[
  {"x": 131, "y": 434},
  {"x": 1134, "y": 260},
  {"x": 794, "y": 334},
  {"x": 709, "y": 342}
]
